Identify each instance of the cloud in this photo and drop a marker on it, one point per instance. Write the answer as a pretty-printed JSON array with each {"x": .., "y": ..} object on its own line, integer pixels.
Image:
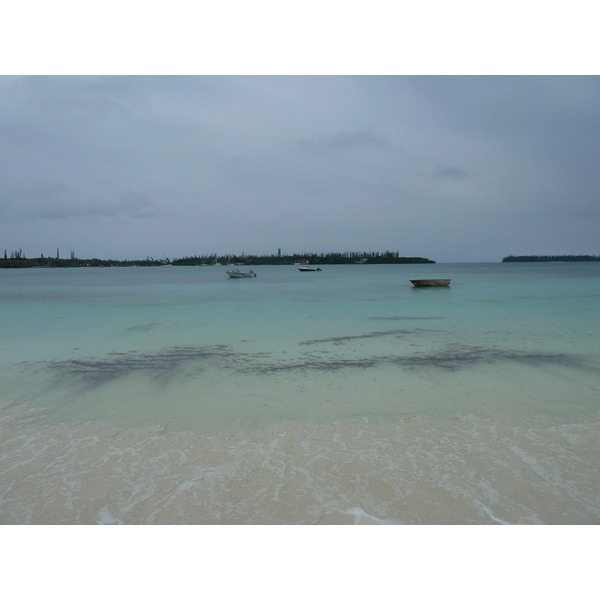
[
  {"x": 347, "y": 141},
  {"x": 56, "y": 201},
  {"x": 137, "y": 204},
  {"x": 451, "y": 173}
]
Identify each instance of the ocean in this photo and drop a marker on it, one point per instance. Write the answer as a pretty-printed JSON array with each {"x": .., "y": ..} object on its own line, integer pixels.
[{"x": 175, "y": 395}]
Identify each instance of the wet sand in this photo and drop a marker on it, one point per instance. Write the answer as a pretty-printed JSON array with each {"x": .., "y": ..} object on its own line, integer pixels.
[{"x": 465, "y": 470}]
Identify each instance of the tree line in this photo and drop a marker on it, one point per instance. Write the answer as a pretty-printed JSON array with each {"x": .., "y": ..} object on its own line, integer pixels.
[
  {"x": 321, "y": 258},
  {"x": 18, "y": 260},
  {"x": 552, "y": 258}
]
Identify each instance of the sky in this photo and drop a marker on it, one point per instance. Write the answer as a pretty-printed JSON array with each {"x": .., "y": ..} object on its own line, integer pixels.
[
  {"x": 451, "y": 131},
  {"x": 452, "y": 168}
]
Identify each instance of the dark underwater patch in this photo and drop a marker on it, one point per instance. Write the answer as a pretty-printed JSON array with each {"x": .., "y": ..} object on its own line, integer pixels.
[
  {"x": 445, "y": 360},
  {"x": 169, "y": 362},
  {"x": 453, "y": 359},
  {"x": 142, "y": 328},
  {"x": 373, "y": 334},
  {"x": 403, "y": 318},
  {"x": 322, "y": 365},
  {"x": 159, "y": 364}
]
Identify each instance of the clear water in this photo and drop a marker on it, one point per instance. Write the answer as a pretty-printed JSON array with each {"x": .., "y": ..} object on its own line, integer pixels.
[{"x": 178, "y": 395}]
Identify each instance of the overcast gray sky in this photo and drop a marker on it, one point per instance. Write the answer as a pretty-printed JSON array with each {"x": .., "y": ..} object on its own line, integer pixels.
[{"x": 448, "y": 167}]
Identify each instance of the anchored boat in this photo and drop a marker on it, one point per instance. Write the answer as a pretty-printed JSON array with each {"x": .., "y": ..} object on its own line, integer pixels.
[
  {"x": 429, "y": 282},
  {"x": 237, "y": 274}
]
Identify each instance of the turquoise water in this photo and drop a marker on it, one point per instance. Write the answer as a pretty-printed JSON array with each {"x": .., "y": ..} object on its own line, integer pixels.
[{"x": 178, "y": 395}]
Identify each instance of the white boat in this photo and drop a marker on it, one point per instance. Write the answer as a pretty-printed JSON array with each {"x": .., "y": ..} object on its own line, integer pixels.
[
  {"x": 237, "y": 274},
  {"x": 308, "y": 269}
]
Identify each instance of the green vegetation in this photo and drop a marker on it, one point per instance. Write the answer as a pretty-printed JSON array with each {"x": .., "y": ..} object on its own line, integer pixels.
[
  {"x": 17, "y": 263},
  {"x": 552, "y": 258},
  {"x": 18, "y": 260},
  {"x": 330, "y": 258}
]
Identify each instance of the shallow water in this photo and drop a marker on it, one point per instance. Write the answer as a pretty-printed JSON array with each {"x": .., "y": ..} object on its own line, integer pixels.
[{"x": 178, "y": 395}]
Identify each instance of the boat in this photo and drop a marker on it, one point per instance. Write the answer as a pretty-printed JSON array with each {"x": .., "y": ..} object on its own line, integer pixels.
[
  {"x": 308, "y": 269},
  {"x": 236, "y": 274},
  {"x": 429, "y": 282}
]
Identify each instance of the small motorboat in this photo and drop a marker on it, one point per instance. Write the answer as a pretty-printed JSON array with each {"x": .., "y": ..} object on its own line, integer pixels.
[
  {"x": 429, "y": 282},
  {"x": 308, "y": 269},
  {"x": 237, "y": 274}
]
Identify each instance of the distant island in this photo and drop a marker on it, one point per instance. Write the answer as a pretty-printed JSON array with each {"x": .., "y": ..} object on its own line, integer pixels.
[
  {"x": 552, "y": 258},
  {"x": 313, "y": 258},
  {"x": 17, "y": 260}
]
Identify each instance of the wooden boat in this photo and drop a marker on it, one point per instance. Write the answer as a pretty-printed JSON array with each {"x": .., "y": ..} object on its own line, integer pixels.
[
  {"x": 429, "y": 282},
  {"x": 237, "y": 274},
  {"x": 308, "y": 269}
]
